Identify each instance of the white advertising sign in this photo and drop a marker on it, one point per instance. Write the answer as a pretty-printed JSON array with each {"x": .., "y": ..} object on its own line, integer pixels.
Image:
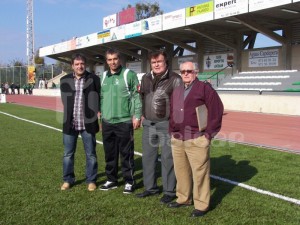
[
  {"x": 135, "y": 66},
  {"x": 174, "y": 19},
  {"x": 60, "y": 47},
  {"x": 85, "y": 41},
  {"x": 263, "y": 4},
  {"x": 133, "y": 29},
  {"x": 226, "y": 8},
  {"x": 103, "y": 36},
  {"x": 99, "y": 70},
  {"x": 109, "y": 22},
  {"x": 45, "y": 51},
  {"x": 263, "y": 58},
  {"x": 117, "y": 33},
  {"x": 215, "y": 62},
  {"x": 152, "y": 24}
]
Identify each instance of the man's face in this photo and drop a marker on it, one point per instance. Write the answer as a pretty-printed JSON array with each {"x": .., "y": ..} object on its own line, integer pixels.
[
  {"x": 78, "y": 67},
  {"x": 188, "y": 73},
  {"x": 113, "y": 62},
  {"x": 158, "y": 65}
]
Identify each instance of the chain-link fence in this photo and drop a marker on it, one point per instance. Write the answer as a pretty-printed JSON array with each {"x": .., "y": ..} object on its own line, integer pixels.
[{"x": 18, "y": 74}]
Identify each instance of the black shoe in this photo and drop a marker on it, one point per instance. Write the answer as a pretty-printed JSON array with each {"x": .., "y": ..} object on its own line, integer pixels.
[
  {"x": 128, "y": 189},
  {"x": 176, "y": 205},
  {"x": 146, "y": 194},
  {"x": 198, "y": 213},
  {"x": 165, "y": 199},
  {"x": 108, "y": 186}
]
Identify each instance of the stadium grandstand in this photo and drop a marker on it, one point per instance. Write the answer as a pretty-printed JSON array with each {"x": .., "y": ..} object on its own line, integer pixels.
[{"x": 220, "y": 35}]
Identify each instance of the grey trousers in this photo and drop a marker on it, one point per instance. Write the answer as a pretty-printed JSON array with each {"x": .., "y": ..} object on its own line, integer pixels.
[{"x": 155, "y": 136}]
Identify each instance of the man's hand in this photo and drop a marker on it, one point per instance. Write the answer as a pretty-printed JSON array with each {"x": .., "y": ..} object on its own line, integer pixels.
[{"x": 136, "y": 122}]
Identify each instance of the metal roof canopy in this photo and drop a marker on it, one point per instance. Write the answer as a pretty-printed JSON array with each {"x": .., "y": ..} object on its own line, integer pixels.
[{"x": 222, "y": 35}]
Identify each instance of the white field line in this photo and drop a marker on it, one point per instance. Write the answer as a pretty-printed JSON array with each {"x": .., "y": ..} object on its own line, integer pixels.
[{"x": 248, "y": 187}]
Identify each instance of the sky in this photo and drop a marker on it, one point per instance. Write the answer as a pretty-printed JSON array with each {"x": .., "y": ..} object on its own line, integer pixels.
[{"x": 59, "y": 20}]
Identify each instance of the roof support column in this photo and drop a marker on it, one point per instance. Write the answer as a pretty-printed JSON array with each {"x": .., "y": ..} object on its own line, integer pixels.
[
  {"x": 169, "y": 48},
  {"x": 237, "y": 54},
  {"x": 145, "y": 64},
  {"x": 287, "y": 48},
  {"x": 200, "y": 55}
]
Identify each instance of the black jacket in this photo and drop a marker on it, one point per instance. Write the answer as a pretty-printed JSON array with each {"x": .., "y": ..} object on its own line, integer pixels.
[
  {"x": 91, "y": 102},
  {"x": 156, "y": 96}
]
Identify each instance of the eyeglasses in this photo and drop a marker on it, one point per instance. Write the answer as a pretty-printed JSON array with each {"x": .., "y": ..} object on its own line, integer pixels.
[{"x": 187, "y": 71}]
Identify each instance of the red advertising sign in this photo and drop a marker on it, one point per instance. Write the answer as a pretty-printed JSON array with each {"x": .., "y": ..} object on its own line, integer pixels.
[{"x": 127, "y": 16}]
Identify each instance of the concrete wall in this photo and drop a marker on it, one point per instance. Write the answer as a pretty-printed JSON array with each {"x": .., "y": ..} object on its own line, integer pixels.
[
  {"x": 286, "y": 105},
  {"x": 277, "y": 104},
  {"x": 46, "y": 92}
]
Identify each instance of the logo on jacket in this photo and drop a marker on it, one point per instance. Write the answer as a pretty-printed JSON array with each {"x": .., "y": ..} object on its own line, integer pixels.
[{"x": 116, "y": 82}]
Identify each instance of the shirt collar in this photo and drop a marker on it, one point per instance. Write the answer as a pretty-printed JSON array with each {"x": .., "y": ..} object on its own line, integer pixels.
[
  {"x": 152, "y": 74},
  {"x": 186, "y": 87},
  {"x": 116, "y": 73},
  {"x": 82, "y": 77}
]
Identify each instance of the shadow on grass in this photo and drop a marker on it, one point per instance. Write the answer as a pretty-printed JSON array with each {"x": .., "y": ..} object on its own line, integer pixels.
[{"x": 226, "y": 167}]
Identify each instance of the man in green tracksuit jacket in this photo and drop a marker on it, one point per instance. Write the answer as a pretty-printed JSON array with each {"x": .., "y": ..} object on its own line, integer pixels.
[{"x": 120, "y": 115}]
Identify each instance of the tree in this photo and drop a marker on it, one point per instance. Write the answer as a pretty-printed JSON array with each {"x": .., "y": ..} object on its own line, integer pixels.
[
  {"x": 17, "y": 62},
  {"x": 37, "y": 59},
  {"x": 146, "y": 9}
]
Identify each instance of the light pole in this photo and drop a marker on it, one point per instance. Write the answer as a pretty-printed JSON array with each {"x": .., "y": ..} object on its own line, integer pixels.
[
  {"x": 6, "y": 73},
  {"x": 52, "y": 70},
  {"x": 13, "y": 74}
]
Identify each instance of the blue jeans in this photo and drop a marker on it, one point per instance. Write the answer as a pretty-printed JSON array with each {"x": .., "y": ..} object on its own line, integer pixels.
[{"x": 89, "y": 142}]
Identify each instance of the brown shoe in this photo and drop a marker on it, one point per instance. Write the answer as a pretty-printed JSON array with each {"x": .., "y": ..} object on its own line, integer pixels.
[
  {"x": 92, "y": 186},
  {"x": 65, "y": 186}
]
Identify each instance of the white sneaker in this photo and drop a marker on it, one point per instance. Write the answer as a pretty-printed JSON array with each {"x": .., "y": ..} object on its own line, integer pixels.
[
  {"x": 108, "y": 186},
  {"x": 128, "y": 189}
]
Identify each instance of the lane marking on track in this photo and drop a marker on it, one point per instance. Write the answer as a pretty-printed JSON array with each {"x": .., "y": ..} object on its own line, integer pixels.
[{"x": 245, "y": 186}]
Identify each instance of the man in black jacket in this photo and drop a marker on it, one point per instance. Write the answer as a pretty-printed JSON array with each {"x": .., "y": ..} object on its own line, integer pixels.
[
  {"x": 80, "y": 94},
  {"x": 156, "y": 89}
]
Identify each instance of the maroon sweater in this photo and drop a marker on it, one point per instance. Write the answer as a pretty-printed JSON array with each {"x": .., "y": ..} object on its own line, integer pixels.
[{"x": 183, "y": 118}]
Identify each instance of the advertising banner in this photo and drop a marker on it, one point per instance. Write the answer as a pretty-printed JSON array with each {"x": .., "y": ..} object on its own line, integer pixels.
[
  {"x": 152, "y": 24},
  {"x": 134, "y": 66},
  {"x": 31, "y": 74},
  {"x": 199, "y": 13},
  {"x": 99, "y": 70},
  {"x": 263, "y": 58},
  {"x": 60, "y": 47},
  {"x": 109, "y": 21},
  {"x": 72, "y": 44},
  {"x": 117, "y": 33},
  {"x": 215, "y": 62},
  {"x": 174, "y": 19},
  {"x": 263, "y": 4},
  {"x": 127, "y": 16},
  {"x": 85, "y": 41},
  {"x": 103, "y": 36},
  {"x": 226, "y": 8},
  {"x": 45, "y": 51},
  {"x": 133, "y": 29}
]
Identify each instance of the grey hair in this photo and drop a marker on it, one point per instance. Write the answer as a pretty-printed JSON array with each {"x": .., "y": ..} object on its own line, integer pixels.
[{"x": 195, "y": 65}]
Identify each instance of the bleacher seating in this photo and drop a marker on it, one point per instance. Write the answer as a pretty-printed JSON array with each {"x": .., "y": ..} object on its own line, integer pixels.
[
  {"x": 272, "y": 81},
  {"x": 56, "y": 80}
]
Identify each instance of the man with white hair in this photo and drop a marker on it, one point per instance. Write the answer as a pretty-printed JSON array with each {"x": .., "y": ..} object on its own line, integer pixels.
[{"x": 190, "y": 143}]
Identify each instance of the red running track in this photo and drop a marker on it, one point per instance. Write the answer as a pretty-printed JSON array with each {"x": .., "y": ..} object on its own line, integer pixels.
[{"x": 271, "y": 130}]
